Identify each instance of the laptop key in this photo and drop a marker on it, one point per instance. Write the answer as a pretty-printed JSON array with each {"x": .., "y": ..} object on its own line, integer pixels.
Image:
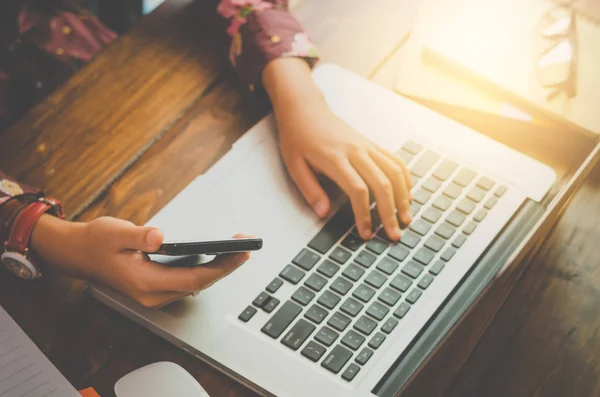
[
  {"x": 350, "y": 372},
  {"x": 316, "y": 313},
  {"x": 452, "y": 191},
  {"x": 412, "y": 147},
  {"x": 476, "y": 194},
  {"x": 448, "y": 254},
  {"x": 351, "y": 307},
  {"x": 375, "y": 279},
  {"x": 442, "y": 203},
  {"x": 500, "y": 191},
  {"x": 329, "y": 299},
  {"x": 466, "y": 206},
  {"x": 292, "y": 274},
  {"x": 413, "y": 296},
  {"x": 437, "y": 268},
  {"x": 410, "y": 239},
  {"x": 339, "y": 321},
  {"x": 247, "y": 314},
  {"x": 485, "y": 183},
  {"x": 303, "y": 296},
  {"x": 365, "y": 325},
  {"x": 326, "y": 336},
  {"x": 420, "y": 227},
  {"x": 365, "y": 259},
  {"x": 377, "y": 245},
  {"x": 363, "y": 293},
  {"x": 398, "y": 252},
  {"x": 328, "y": 268},
  {"x": 333, "y": 230},
  {"x": 432, "y": 215},
  {"x": 352, "y": 242},
  {"x": 434, "y": 243},
  {"x": 415, "y": 208},
  {"x": 469, "y": 228},
  {"x": 281, "y": 319},
  {"x": 401, "y": 283},
  {"x": 306, "y": 259},
  {"x": 464, "y": 177},
  {"x": 353, "y": 340},
  {"x": 274, "y": 285},
  {"x": 479, "y": 215},
  {"x": 402, "y": 309},
  {"x": 412, "y": 269},
  {"x": 341, "y": 285},
  {"x": 405, "y": 156},
  {"x": 424, "y": 163},
  {"x": 445, "y": 169},
  {"x": 389, "y": 297},
  {"x": 271, "y": 305},
  {"x": 377, "y": 311},
  {"x": 425, "y": 281},
  {"x": 376, "y": 340},
  {"x": 389, "y": 325},
  {"x": 340, "y": 255},
  {"x": 363, "y": 357},
  {"x": 459, "y": 240},
  {"x": 261, "y": 299},
  {"x": 313, "y": 351},
  {"x": 455, "y": 218},
  {"x": 421, "y": 196},
  {"x": 387, "y": 265},
  {"x": 424, "y": 256},
  {"x": 315, "y": 282},
  {"x": 336, "y": 359},
  {"x": 445, "y": 230},
  {"x": 490, "y": 203},
  {"x": 298, "y": 334},
  {"x": 431, "y": 185},
  {"x": 353, "y": 272}
]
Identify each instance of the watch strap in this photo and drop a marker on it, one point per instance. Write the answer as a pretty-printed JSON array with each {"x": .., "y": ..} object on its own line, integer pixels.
[{"x": 23, "y": 225}]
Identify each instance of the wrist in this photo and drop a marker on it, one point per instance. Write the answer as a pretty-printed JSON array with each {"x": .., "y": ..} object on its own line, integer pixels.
[{"x": 57, "y": 243}]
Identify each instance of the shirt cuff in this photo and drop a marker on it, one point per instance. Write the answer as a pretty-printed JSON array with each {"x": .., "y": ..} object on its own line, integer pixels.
[{"x": 268, "y": 35}]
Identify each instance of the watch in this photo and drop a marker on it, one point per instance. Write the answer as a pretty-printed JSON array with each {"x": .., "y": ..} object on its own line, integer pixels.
[{"x": 16, "y": 257}]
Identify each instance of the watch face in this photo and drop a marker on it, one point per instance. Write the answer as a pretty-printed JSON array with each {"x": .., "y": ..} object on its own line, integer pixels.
[{"x": 19, "y": 267}]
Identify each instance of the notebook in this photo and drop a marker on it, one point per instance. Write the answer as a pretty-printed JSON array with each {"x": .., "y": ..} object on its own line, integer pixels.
[
  {"x": 492, "y": 44},
  {"x": 24, "y": 370}
]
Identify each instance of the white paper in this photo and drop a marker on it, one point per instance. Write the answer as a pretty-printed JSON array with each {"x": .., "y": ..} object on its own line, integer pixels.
[{"x": 24, "y": 370}]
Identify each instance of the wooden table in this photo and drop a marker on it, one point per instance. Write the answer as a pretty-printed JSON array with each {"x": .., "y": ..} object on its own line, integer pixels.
[{"x": 163, "y": 101}]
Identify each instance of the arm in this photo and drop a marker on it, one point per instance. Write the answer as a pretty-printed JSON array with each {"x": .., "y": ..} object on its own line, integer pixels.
[{"x": 270, "y": 47}]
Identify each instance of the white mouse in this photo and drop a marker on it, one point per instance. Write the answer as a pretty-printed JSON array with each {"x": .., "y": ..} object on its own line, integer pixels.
[{"x": 161, "y": 379}]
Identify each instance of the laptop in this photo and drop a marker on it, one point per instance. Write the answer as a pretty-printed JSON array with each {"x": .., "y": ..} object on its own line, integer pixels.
[{"x": 318, "y": 311}]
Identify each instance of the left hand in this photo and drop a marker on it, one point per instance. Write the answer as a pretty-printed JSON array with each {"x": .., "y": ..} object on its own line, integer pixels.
[{"x": 313, "y": 139}]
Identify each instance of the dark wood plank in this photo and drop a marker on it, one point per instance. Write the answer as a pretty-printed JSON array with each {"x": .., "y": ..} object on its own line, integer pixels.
[{"x": 87, "y": 133}]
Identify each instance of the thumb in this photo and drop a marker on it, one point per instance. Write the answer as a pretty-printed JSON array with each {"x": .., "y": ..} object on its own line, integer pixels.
[
  {"x": 138, "y": 238},
  {"x": 309, "y": 186}
]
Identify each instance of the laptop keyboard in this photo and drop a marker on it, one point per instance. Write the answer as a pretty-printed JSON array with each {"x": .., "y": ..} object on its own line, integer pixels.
[{"x": 351, "y": 294}]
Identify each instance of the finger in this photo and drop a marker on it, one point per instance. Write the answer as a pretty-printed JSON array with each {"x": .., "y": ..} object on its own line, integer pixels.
[
  {"x": 309, "y": 186},
  {"x": 350, "y": 181},
  {"x": 160, "y": 278},
  {"x": 138, "y": 238},
  {"x": 396, "y": 176},
  {"x": 382, "y": 189},
  {"x": 402, "y": 164},
  {"x": 160, "y": 299}
]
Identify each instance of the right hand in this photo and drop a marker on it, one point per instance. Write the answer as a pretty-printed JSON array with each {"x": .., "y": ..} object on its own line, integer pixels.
[{"x": 109, "y": 251}]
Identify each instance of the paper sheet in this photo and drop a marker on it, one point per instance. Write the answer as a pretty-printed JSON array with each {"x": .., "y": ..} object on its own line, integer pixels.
[{"x": 24, "y": 370}]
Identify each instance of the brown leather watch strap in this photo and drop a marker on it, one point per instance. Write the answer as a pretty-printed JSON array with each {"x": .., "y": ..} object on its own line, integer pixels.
[{"x": 22, "y": 227}]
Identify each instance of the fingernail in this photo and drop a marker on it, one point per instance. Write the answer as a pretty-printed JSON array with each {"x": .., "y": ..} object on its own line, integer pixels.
[
  {"x": 153, "y": 237},
  {"x": 396, "y": 233},
  {"x": 406, "y": 217},
  {"x": 321, "y": 208}
]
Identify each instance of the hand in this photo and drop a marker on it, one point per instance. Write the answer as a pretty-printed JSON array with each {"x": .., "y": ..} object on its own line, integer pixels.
[
  {"x": 109, "y": 251},
  {"x": 314, "y": 140}
]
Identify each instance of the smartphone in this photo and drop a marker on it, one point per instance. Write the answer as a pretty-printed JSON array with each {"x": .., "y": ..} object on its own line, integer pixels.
[{"x": 210, "y": 247}]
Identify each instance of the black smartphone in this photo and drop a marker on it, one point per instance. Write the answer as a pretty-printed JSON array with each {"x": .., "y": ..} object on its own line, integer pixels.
[{"x": 210, "y": 247}]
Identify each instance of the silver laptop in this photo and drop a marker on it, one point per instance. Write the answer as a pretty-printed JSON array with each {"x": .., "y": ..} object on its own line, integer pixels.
[{"x": 319, "y": 312}]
